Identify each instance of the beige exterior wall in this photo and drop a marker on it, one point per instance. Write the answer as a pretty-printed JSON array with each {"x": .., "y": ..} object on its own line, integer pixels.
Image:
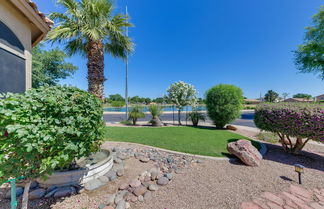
[{"x": 19, "y": 24}]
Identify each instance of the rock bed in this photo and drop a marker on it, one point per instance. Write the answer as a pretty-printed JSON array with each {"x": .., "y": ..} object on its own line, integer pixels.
[{"x": 163, "y": 167}]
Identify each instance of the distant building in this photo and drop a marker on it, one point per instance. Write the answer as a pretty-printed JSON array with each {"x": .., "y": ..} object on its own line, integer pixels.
[
  {"x": 298, "y": 100},
  {"x": 320, "y": 98},
  {"x": 22, "y": 26}
]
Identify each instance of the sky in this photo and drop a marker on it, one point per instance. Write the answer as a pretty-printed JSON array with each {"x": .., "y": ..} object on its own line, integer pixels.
[{"x": 247, "y": 43}]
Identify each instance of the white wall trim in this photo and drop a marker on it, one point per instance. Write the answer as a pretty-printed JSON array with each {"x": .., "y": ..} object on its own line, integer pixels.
[{"x": 12, "y": 51}]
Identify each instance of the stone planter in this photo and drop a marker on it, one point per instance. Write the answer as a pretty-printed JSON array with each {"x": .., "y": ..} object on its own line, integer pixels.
[{"x": 79, "y": 176}]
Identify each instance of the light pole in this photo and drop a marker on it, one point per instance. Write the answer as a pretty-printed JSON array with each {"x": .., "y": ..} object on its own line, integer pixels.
[{"x": 126, "y": 77}]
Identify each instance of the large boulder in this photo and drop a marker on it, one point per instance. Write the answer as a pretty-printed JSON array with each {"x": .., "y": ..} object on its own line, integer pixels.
[{"x": 244, "y": 150}]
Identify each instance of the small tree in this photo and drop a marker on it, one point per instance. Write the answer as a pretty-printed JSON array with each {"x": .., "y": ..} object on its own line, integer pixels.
[
  {"x": 302, "y": 96},
  {"x": 156, "y": 111},
  {"x": 195, "y": 116},
  {"x": 117, "y": 104},
  {"x": 303, "y": 121},
  {"x": 309, "y": 56},
  {"x": 182, "y": 94},
  {"x": 271, "y": 96},
  {"x": 136, "y": 113},
  {"x": 224, "y": 103},
  {"x": 45, "y": 129},
  {"x": 50, "y": 66}
]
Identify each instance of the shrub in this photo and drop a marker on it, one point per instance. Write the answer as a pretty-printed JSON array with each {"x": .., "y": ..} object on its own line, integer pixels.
[
  {"x": 299, "y": 120},
  {"x": 136, "y": 113},
  {"x": 195, "y": 116},
  {"x": 224, "y": 103},
  {"x": 156, "y": 111},
  {"x": 47, "y": 128},
  {"x": 117, "y": 104}
]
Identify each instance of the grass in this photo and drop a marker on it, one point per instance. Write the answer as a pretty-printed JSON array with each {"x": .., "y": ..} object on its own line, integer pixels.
[{"x": 201, "y": 141}]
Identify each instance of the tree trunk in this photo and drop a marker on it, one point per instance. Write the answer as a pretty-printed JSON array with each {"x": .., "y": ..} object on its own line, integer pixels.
[
  {"x": 96, "y": 77},
  {"x": 24, "y": 204},
  {"x": 179, "y": 117}
]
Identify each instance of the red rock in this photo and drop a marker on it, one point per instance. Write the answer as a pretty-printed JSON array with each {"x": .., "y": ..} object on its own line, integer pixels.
[
  {"x": 296, "y": 200},
  {"x": 249, "y": 205},
  {"x": 245, "y": 151},
  {"x": 269, "y": 196},
  {"x": 108, "y": 207},
  {"x": 230, "y": 127},
  {"x": 261, "y": 203}
]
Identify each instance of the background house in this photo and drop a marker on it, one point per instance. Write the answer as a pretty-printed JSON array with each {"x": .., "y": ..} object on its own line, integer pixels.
[
  {"x": 320, "y": 98},
  {"x": 22, "y": 26},
  {"x": 298, "y": 100}
]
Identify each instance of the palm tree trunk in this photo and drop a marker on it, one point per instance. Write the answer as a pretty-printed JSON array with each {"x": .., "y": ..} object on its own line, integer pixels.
[{"x": 95, "y": 65}]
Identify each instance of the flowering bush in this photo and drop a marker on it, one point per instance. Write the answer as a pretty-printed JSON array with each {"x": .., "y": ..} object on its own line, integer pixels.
[
  {"x": 299, "y": 120},
  {"x": 47, "y": 128},
  {"x": 182, "y": 94},
  {"x": 224, "y": 103}
]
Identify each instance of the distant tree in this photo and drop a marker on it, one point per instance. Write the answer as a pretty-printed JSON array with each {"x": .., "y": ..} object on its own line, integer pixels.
[
  {"x": 49, "y": 67},
  {"x": 147, "y": 101},
  {"x": 271, "y": 96},
  {"x": 182, "y": 94},
  {"x": 135, "y": 99},
  {"x": 158, "y": 100},
  {"x": 302, "y": 96},
  {"x": 117, "y": 104},
  {"x": 285, "y": 95},
  {"x": 309, "y": 56},
  {"x": 201, "y": 101},
  {"x": 115, "y": 97}
]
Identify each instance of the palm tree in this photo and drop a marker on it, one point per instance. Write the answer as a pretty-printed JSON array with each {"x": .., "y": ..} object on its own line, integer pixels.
[{"x": 88, "y": 27}]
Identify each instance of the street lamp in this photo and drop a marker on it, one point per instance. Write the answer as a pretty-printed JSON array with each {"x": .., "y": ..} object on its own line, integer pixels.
[{"x": 299, "y": 169}]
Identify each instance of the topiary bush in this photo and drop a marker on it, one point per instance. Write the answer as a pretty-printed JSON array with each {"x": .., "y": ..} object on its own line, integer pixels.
[
  {"x": 224, "y": 103},
  {"x": 299, "y": 120},
  {"x": 47, "y": 128},
  {"x": 136, "y": 113}
]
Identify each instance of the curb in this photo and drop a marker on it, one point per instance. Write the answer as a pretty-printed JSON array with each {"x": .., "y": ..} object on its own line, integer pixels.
[{"x": 262, "y": 151}]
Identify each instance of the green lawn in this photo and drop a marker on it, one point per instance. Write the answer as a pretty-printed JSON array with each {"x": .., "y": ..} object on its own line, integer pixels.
[{"x": 202, "y": 141}]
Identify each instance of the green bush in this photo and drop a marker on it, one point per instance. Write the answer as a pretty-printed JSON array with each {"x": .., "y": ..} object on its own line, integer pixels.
[
  {"x": 136, "y": 113},
  {"x": 224, "y": 103},
  {"x": 156, "y": 111},
  {"x": 47, "y": 128},
  {"x": 302, "y": 121}
]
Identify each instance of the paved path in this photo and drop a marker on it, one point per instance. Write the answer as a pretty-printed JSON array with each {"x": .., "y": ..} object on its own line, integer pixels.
[
  {"x": 245, "y": 120},
  {"x": 296, "y": 197}
]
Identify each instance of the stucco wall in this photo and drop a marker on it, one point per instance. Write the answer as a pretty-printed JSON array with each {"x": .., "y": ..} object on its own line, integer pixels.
[{"x": 22, "y": 29}]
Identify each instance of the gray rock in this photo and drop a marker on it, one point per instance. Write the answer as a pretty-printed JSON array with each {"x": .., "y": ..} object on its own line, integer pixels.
[
  {"x": 111, "y": 199},
  {"x": 140, "y": 191},
  {"x": 148, "y": 195},
  {"x": 51, "y": 188},
  {"x": 64, "y": 192},
  {"x": 170, "y": 160},
  {"x": 178, "y": 171},
  {"x": 93, "y": 184},
  {"x": 163, "y": 181},
  {"x": 33, "y": 185},
  {"x": 144, "y": 159},
  {"x": 117, "y": 160},
  {"x": 101, "y": 206},
  {"x": 140, "y": 198},
  {"x": 199, "y": 161},
  {"x": 135, "y": 183},
  {"x": 168, "y": 175},
  {"x": 153, "y": 187},
  {"x": 103, "y": 179},
  {"x": 120, "y": 172},
  {"x": 36, "y": 194},
  {"x": 121, "y": 205},
  {"x": 19, "y": 192},
  {"x": 110, "y": 173},
  {"x": 127, "y": 205},
  {"x": 119, "y": 197},
  {"x": 51, "y": 193}
]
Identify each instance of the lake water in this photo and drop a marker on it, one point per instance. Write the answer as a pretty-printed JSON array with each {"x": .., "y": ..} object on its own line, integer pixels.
[{"x": 145, "y": 109}]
